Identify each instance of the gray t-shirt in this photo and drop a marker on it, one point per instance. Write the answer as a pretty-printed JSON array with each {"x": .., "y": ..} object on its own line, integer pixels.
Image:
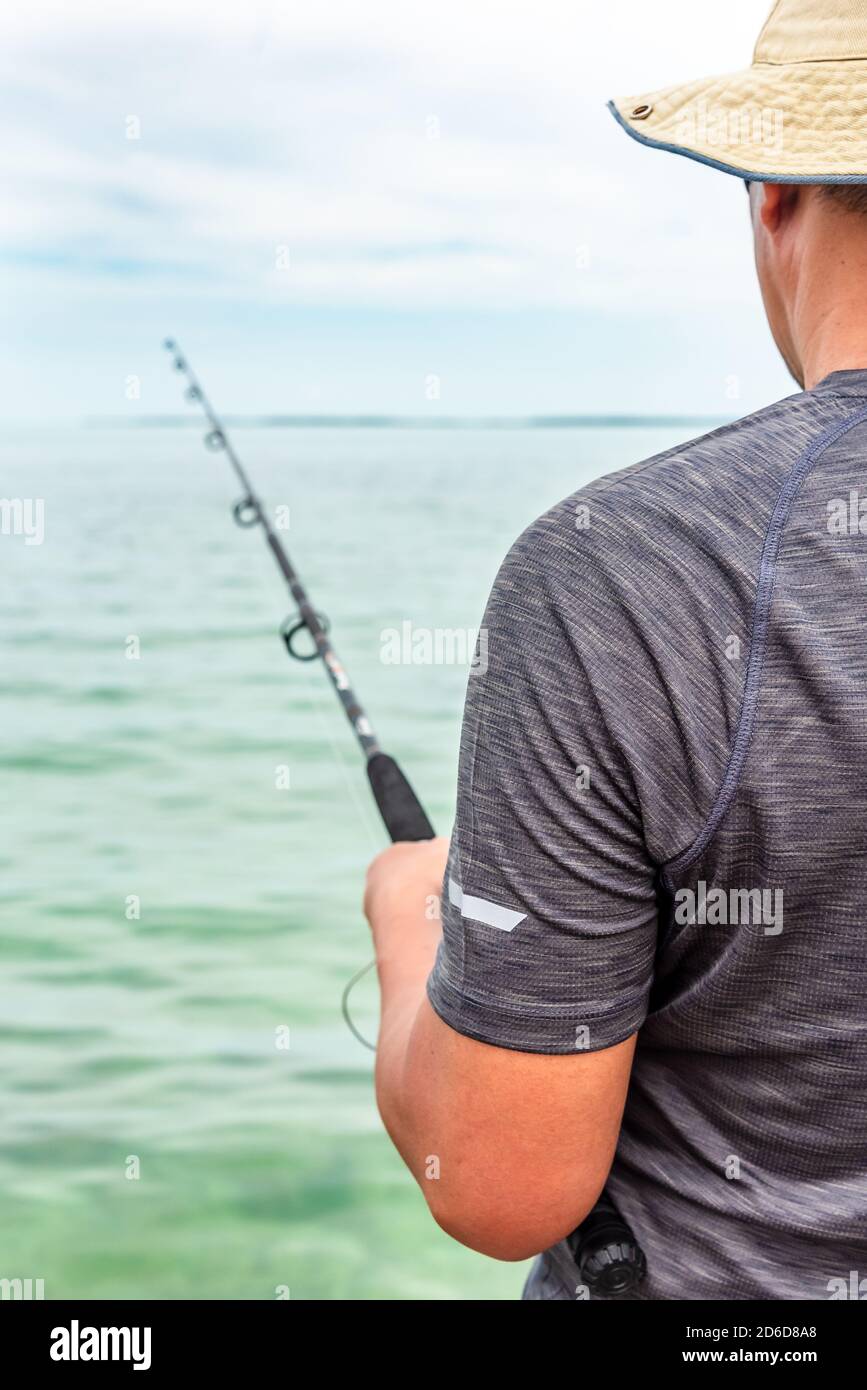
[{"x": 661, "y": 826}]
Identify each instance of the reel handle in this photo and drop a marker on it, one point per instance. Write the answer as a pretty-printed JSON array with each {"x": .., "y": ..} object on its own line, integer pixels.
[{"x": 400, "y": 808}]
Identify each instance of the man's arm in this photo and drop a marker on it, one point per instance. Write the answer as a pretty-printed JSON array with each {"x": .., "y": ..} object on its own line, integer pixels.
[
  {"x": 509, "y": 1078},
  {"x": 510, "y": 1148}
]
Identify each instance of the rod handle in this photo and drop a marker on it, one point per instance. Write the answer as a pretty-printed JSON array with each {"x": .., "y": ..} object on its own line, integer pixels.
[{"x": 398, "y": 804}]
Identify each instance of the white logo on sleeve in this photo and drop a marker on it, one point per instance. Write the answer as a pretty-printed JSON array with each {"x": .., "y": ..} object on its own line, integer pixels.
[{"x": 480, "y": 910}]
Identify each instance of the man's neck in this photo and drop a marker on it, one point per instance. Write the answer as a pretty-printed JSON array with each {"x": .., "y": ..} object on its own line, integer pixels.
[
  {"x": 829, "y": 315},
  {"x": 845, "y": 350}
]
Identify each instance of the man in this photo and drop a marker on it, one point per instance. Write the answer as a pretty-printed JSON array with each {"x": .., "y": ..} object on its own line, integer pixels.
[{"x": 652, "y": 973}]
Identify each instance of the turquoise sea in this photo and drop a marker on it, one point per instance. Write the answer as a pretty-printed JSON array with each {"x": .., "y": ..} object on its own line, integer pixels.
[{"x": 168, "y": 909}]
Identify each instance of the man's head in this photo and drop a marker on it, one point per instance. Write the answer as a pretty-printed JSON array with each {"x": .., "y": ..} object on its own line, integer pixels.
[
  {"x": 790, "y": 126},
  {"x": 811, "y": 257}
]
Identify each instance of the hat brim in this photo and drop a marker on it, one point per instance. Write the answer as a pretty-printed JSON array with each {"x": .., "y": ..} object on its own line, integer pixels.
[{"x": 773, "y": 123}]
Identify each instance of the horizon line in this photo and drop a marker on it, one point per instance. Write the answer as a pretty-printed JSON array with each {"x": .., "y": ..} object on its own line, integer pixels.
[{"x": 453, "y": 422}]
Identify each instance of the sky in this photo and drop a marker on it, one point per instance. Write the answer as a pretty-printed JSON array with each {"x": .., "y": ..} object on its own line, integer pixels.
[{"x": 393, "y": 207}]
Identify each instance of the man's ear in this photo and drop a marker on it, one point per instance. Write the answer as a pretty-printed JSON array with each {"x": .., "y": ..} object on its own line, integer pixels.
[{"x": 778, "y": 204}]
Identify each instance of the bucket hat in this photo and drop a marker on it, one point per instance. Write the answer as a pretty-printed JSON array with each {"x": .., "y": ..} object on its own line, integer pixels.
[{"x": 797, "y": 115}]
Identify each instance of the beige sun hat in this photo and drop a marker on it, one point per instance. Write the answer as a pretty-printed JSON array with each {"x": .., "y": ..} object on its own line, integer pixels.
[{"x": 798, "y": 115}]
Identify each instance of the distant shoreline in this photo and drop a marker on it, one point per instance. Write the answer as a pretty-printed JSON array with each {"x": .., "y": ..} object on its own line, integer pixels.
[{"x": 420, "y": 422}]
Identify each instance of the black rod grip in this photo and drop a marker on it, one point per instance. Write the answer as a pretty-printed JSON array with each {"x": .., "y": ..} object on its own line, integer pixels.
[{"x": 398, "y": 804}]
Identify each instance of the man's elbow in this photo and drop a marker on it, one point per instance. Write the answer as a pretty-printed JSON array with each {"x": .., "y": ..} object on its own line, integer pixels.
[
  {"x": 510, "y": 1231},
  {"x": 498, "y": 1242}
]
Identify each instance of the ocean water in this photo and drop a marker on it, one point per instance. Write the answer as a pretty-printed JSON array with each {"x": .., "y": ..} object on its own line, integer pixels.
[{"x": 169, "y": 908}]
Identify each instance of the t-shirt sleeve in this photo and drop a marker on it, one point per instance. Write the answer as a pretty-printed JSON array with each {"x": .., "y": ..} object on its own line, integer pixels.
[{"x": 549, "y": 907}]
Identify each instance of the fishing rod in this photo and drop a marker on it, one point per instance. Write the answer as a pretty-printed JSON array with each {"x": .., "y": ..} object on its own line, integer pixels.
[
  {"x": 607, "y": 1255},
  {"x": 402, "y": 812}
]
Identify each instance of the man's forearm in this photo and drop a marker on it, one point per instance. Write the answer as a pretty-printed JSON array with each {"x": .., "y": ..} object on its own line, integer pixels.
[{"x": 510, "y": 1149}]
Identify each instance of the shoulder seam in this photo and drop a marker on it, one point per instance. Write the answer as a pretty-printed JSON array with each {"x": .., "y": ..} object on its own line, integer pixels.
[{"x": 758, "y": 643}]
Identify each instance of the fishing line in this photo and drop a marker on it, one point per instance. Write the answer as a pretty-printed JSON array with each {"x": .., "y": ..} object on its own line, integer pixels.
[
  {"x": 344, "y": 1004},
  {"x": 357, "y": 803}
]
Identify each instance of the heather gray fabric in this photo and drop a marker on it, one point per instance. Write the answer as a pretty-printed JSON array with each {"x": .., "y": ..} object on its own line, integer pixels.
[{"x": 676, "y": 699}]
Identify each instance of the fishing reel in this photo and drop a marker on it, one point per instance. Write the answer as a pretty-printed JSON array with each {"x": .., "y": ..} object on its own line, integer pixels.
[{"x": 609, "y": 1259}]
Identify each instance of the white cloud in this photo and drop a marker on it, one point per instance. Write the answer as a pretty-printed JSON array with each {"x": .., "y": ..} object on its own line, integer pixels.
[{"x": 410, "y": 156}]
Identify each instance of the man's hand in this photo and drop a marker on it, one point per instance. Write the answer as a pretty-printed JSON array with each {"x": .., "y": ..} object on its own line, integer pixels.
[
  {"x": 402, "y": 904},
  {"x": 404, "y": 875}
]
